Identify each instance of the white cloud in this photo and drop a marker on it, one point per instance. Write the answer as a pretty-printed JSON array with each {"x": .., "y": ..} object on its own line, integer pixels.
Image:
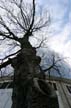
[
  {"x": 60, "y": 28},
  {"x": 61, "y": 42}
]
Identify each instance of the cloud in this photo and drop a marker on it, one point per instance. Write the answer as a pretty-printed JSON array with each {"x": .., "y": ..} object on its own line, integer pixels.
[
  {"x": 60, "y": 14},
  {"x": 61, "y": 42},
  {"x": 60, "y": 27}
]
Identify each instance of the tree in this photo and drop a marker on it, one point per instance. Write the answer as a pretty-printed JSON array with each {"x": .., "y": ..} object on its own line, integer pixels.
[{"x": 16, "y": 21}]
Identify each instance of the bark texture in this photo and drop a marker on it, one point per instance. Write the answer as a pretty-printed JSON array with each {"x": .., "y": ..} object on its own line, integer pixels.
[
  {"x": 25, "y": 66},
  {"x": 25, "y": 93}
]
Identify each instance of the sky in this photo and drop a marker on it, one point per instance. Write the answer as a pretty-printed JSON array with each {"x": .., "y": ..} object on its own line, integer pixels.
[
  {"x": 60, "y": 25},
  {"x": 59, "y": 30}
]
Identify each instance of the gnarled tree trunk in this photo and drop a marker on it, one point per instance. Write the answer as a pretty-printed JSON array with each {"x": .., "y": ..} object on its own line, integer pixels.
[
  {"x": 25, "y": 68},
  {"x": 26, "y": 94}
]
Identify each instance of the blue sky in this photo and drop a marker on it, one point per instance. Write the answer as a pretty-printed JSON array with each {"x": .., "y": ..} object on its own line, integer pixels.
[{"x": 60, "y": 26}]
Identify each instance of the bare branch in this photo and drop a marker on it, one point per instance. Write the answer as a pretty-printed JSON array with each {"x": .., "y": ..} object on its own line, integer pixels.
[
  {"x": 58, "y": 71},
  {"x": 5, "y": 64},
  {"x": 49, "y": 68},
  {"x": 9, "y": 56},
  {"x": 6, "y": 36},
  {"x": 14, "y": 17},
  {"x": 41, "y": 43},
  {"x": 29, "y": 31},
  {"x": 55, "y": 65},
  {"x": 10, "y": 34},
  {"x": 26, "y": 18}
]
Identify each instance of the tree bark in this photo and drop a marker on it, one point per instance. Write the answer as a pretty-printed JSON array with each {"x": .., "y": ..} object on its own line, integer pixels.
[
  {"x": 25, "y": 66},
  {"x": 25, "y": 93}
]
